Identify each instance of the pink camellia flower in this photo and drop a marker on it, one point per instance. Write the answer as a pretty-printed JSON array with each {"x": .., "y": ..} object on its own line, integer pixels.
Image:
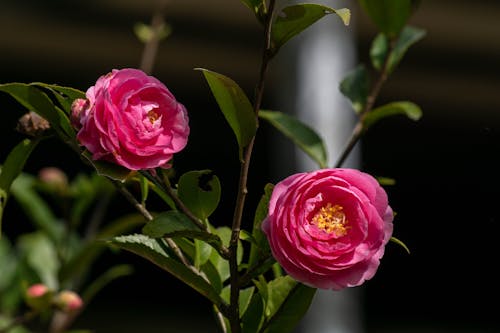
[
  {"x": 328, "y": 228},
  {"x": 131, "y": 119}
]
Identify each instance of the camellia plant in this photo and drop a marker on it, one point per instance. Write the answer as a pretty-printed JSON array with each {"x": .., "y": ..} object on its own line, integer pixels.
[{"x": 326, "y": 228}]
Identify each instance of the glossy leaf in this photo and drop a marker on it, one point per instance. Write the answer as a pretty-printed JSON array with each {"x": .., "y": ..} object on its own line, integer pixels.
[
  {"x": 41, "y": 256},
  {"x": 221, "y": 264},
  {"x": 355, "y": 86},
  {"x": 388, "y": 15},
  {"x": 235, "y": 106},
  {"x": 11, "y": 168},
  {"x": 35, "y": 208},
  {"x": 408, "y": 37},
  {"x": 244, "y": 299},
  {"x": 108, "y": 169},
  {"x": 149, "y": 249},
  {"x": 64, "y": 95},
  {"x": 34, "y": 99},
  {"x": 294, "y": 19},
  {"x": 257, "y": 6},
  {"x": 200, "y": 191},
  {"x": 176, "y": 224},
  {"x": 254, "y": 316},
  {"x": 379, "y": 50},
  {"x": 301, "y": 134},
  {"x": 260, "y": 247},
  {"x": 287, "y": 302},
  {"x": 411, "y": 110}
]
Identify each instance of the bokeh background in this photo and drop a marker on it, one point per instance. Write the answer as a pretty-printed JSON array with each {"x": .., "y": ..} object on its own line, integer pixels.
[{"x": 446, "y": 165}]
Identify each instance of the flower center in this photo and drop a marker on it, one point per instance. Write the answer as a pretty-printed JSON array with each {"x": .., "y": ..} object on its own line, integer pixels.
[
  {"x": 153, "y": 116},
  {"x": 331, "y": 219}
]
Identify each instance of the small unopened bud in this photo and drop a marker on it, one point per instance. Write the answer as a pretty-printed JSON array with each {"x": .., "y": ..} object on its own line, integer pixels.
[
  {"x": 54, "y": 178},
  {"x": 32, "y": 125},
  {"x": 37, "y": 290},
  {"x": 68, "y": 301},
  {"x": 38, "y": 296},
  {"x": 78, "y": 106}
]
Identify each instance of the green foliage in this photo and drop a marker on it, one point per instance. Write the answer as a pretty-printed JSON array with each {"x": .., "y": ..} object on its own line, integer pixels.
[
  {"x": 285, "y": 303},
  {"x": 355, "y": 86},
  {"x": 294, "y": 19},
  {"x": 36, "y": 100},
  {"x": 200, "y": 191},
  {"x": 11, "y": 168},
  {"x": 235, "y": 106},
  {"x": 257, "y": 6},
  {"x": 302, "y": 135},
  {"x": 411, "y": 110},
  {"x": 381, "y": 48},
  {"x": 152, "y": 250},
  {"x": 259, "y": 249},
  {"x": 388, "y": 15}
]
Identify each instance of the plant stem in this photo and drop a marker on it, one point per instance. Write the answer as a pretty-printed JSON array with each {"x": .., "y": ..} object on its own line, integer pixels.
[
  {"x": 359, "y": 129},
  {"x": 149, "y": 217},
  {"x": 234, "y": 315},
  {"x": 151, "y": 46}
]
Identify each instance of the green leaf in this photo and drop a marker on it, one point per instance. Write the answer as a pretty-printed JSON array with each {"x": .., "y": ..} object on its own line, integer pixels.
[
  {"x": 203, "y": 252},
  {"x": 287, "y": 302},
  {"x": 11, "y": 168},
  {"x": 244, "y": 299},
  {"x": 149, "y": 249},
  {"x": 254, "y": 316},
  {"x": 35, "y": 208},
  {"x": 8, "y": 262},
  {"x": 294, "y": 19},
  {"x": 176, "y": 224},
  {"x": 64, "y": 95},
  {"x": 407, "y": 37},
  {"x": 388, "y": 15},
  {"x": 257, "y": 6},
  {"x": 400, "y": 243},
  {"x": 235, "y": 106},
  {"x": 260, "y": 247},
  {"x": 409, "y": 109},
  {"x": 355, "y": 86},
  {"x": 221, "y": 264},
  {"x": 37, "y": 101},
  {"x": 108, "y": 169},
  {"x": 386, "y": 181},
  {"x": 301, "y": 134},
  {"x": 379, "y": 50},
  {"x": 41, "y": 256},
  {"x": 200, "y": 191}
]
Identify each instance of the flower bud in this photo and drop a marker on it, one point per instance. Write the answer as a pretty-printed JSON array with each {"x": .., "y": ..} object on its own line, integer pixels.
[
  {"x": 31, "y": 124},
  {"x": 68, "y": 301},
  {"x": 78, "y": 106},
  {"x": 38, "y": 296},
  {"x": 54, "y": 178}
]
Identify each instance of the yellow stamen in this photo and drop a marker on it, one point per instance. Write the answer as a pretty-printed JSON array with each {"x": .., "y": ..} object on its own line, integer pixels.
[
  {"x": 153, "y": 116},
  {"x": 331, "y": 219}
]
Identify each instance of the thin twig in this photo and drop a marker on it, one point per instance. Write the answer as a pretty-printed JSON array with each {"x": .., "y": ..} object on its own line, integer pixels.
[{"x": 234, "y": 315}]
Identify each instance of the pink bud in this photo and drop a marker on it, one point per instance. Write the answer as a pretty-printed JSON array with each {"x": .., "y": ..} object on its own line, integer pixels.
[
  {"x": 54, "y": 177},
  {"x": 78, "y": 106},
  {"x": 37, "y": 290},
  {"x": 68, "y": 301}
]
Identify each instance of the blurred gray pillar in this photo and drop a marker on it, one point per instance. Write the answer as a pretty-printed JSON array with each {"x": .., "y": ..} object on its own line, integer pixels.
[{"x": 310, "y": 69}]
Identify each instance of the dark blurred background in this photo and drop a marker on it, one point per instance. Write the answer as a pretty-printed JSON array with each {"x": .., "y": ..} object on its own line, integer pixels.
[{"x": 446, "y": 165}]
